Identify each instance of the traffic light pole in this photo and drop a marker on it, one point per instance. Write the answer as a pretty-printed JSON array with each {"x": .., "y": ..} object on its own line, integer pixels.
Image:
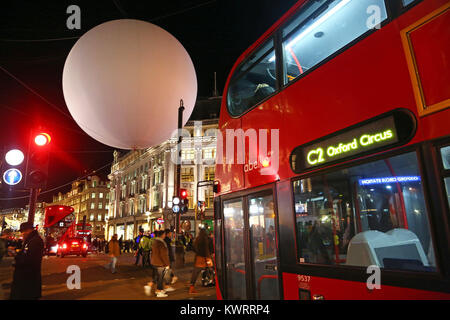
[
  {"x": 179, "y": 250},
  {"x": 32, "y": 204},
  {"x": 178, "y": 168}
]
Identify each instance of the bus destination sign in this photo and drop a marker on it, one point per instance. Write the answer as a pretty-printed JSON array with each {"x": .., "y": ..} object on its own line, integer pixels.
[{"x": 345, "y": 144}]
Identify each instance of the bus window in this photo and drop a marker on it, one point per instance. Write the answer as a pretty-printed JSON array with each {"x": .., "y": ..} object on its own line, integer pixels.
[
  {"x": 445, "y": 154},
  {"x": 407, "y": 2},
  {"x": 371, "y": 214},
  {"x": 253, "y": 81},
  {"x": 323, "y": 28}
]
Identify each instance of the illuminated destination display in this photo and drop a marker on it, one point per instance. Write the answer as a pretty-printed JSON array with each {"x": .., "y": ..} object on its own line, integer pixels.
[
  {"x": 390, "y": 129},
  {"x": 382, "y": 180},
  {"x": 373, "y": 135}
]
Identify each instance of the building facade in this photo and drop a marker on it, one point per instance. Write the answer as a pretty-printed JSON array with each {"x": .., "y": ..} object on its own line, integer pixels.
[
  {"x": 89, "y": 197},
  {"x": 12, "y": 218},
  {"x": 143, "y": 181}
]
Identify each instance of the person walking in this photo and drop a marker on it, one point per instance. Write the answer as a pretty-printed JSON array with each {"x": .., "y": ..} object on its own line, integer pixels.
[
  {"x": 114, "y": 252},
  {"x": 202, "y": 257},
  {"x": 161, "y": 263},
  {"x": 145, "y": 245},
  {"x": 27, "y": 278},
  {"x": 168, "y": 241},
  {"x": 137, "y": 247}
]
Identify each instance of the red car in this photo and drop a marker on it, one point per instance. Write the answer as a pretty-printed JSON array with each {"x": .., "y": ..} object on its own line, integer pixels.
[{"x": 72, "y": 246}]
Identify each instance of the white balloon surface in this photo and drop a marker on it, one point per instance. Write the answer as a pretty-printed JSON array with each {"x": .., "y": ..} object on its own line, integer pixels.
[{"x": 123, "y": 81}]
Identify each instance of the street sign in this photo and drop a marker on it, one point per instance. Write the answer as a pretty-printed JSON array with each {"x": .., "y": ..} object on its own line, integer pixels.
[
  {"x": 160, "y": 221},
  {"x": 12, "y": 176},
  {"x": 176, "y": 208}
]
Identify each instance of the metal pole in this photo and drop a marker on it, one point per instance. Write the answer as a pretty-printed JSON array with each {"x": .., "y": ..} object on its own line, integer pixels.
[
  {"x": 32, "y": 204},
  {"x": 178, "y": 167}
]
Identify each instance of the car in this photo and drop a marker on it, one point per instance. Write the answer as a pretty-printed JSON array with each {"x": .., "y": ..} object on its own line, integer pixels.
[{"x": 72, "y": 246}]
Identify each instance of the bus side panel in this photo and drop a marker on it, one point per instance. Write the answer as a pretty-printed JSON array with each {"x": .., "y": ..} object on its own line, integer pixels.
[
  {"x": 229, "y": 171},
  {"x": 333, "y": 289}
]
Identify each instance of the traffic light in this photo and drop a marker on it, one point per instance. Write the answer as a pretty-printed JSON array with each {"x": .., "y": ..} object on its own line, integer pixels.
[
  {"x": 37, "y": 160},
  {"x": 184, "y": 201},
  {"x": 12, "y": 167}
]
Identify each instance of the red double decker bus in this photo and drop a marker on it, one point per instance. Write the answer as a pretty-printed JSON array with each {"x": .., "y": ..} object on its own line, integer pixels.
[
  {"x": 343, "y": 189},
  {"x": 59, "y": 224}
]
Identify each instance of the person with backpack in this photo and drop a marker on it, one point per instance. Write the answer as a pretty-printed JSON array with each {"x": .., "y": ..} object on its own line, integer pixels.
[{"x": 145, "y": 245}]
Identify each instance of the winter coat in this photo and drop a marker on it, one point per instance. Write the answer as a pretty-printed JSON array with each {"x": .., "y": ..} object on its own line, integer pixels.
[
  {"x": 114, "y": 248},
  {"x": 160, "y": 253},
  {"x": 27, "y": 279},
  {"x": 168, "y": 243}
]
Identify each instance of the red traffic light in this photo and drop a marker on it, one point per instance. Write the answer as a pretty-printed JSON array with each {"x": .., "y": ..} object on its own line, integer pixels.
[
  {"x": 183, "y": 193},
  {"x": 42, "y": 139}
]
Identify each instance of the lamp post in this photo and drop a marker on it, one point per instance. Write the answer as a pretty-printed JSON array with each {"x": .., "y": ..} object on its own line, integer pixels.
[{"x": 179, "y": 249}]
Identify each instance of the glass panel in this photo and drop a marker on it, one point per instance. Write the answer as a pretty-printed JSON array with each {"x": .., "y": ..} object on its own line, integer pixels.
[
  {"x": 324, "y": 27},
  {"x": 371, "y": 214},
  {"x": 447, "y": 187},
  {"x": 253, "y": 81},
  {"x": 445, "y": 154},
  {"x": 234, "y": 249},
  {"x": 407, "y": 2},
  {"x": 264, "y": 250}
]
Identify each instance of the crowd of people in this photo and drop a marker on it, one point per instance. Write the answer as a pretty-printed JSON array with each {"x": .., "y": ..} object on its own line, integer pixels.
[{"x": 154, "y": 250}]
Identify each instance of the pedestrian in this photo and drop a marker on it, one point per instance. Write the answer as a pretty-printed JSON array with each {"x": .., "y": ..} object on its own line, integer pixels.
[
  {"x": 4, "y": 243},
  {"x": 161, "y": 264},
  {"x": 137, "y": 247},
  {"x": 27, "y": 278},
  {"x": 168, "y": 241},
  {"x": 145, "y": 245},
  {"x": 114, "y": 252},
  {"x": 121, "y": 244},
  {"x": 127, "y": 246},
  {"x": 202, "y": 257}
]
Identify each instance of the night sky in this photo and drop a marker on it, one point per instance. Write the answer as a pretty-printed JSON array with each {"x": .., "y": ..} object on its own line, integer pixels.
[{"x": 214, "y": 33}]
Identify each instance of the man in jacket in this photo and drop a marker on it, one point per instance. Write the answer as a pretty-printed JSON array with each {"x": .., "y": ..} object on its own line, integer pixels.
[
  {"x": 145, "y": 245},
  {"x": 27, "y": 279},
  {"x": 161, "y": 263},
  {"x": 114, "y": 252}
]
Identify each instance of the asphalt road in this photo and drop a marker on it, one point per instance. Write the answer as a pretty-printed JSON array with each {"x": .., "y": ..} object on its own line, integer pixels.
[{"x": 97, "y": 283}]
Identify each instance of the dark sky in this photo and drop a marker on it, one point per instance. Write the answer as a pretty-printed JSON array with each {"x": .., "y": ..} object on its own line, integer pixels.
[{"x": 214, "y": 33}]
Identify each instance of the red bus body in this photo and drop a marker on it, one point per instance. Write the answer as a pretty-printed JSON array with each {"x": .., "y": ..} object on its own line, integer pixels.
[
  {"x": 59, "y": 222},
  {"x": 370, "y": 77},
  {"x": 85, "y": 232}
]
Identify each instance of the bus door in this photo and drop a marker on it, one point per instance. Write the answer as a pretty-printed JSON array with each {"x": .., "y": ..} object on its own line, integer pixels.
[{"x": 251, "y": 257}]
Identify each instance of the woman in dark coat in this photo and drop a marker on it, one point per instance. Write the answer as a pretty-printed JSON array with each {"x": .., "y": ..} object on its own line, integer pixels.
[{"x": 27, "y": 281}]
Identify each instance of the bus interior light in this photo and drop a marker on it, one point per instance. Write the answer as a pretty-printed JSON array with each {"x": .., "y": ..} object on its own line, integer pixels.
[{"x": 321, "y": 20}]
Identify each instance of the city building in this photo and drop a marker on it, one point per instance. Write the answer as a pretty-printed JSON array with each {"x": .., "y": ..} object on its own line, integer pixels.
[
  {"x": 143, "y": 181},
  {"x": 89, "y": 197},
  {"x": 11, "y": 218}
]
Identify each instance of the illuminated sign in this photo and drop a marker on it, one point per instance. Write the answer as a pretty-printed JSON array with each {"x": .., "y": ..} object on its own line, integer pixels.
[
  {"x": 12, "y": 176},
  {"x": 395, "y": 128},
  {"x": 383, "y": 180}
]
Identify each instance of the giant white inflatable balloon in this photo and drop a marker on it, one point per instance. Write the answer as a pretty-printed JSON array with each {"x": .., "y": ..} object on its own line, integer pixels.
[{"x": 123, "y": 81}]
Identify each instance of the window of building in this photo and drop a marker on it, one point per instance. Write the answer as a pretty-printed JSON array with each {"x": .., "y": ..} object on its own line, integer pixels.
[
  {"x": 91, "y": 218},
  {"x": 92, "y": 205},
  {"x": 209, "y": 153},
  {"x": 187, "y": 174},
  {"x": 253, "y": 81},
  {"x": 93, "y": 195},
  {"x": 131, "y": 207},
  {"x": 99, "y": 217},
  {"x": 100, "y": 195},
  {"x": 209, "y": 198},
  {"x": 100, "y": 205},
  {"x": 324, "y": 27},
  {"x": 209, "y": 173},
  {"x": 370, "y": 214},
  {"x": 188, "y": 154}
]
